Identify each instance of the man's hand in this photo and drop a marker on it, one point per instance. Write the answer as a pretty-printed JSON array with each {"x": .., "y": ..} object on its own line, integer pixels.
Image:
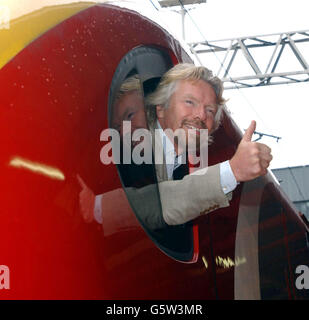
[
  {"x": 86, "y": 201},
  {"x": 251, "y": 159}
]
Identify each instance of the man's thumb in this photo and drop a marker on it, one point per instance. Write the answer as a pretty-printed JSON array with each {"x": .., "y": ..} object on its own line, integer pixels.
[{"x": 249, "y": 132}]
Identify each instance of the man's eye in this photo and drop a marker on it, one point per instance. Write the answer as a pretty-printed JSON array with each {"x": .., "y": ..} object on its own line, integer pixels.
[
  {"x": 210, "y": 111},
  {"x": 130, "y": 115},
  {"x": 189, "y": 102}
]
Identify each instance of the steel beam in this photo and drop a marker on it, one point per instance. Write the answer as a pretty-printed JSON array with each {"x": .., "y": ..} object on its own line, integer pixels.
[{"x": 298, "y": 41}]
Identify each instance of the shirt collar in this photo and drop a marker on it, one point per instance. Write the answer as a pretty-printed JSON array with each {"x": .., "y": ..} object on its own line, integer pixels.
[
  {"x": 168, "y": 146},
  {"x": 169, "y": 149}
]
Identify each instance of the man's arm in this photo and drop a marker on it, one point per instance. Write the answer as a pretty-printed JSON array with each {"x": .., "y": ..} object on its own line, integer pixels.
[
  {"x": 181, "y": 201},
  {"x": 197, "y": 193}
]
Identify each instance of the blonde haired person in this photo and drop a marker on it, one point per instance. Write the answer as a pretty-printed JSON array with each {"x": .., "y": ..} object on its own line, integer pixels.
[{"x": 189, "y": 98}]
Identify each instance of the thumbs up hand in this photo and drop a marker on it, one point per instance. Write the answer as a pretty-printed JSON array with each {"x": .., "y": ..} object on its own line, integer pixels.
[
  {"x": 249, "y": 132},
  {"x": 251, "y": 159},
  {"x": 86, "y": 201}
]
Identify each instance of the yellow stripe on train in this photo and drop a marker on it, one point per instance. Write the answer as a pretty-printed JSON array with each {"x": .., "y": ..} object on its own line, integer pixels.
[{"x": 23, "y": 30}]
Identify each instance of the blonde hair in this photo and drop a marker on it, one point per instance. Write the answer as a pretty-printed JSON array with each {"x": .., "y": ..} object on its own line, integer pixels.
[
  {"x": 132, "y": 83},
  {"x": 168, "y": 85}
]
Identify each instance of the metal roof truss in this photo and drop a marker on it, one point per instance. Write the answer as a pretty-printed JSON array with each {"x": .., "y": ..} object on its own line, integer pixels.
[{"x": 259, "y": 51}]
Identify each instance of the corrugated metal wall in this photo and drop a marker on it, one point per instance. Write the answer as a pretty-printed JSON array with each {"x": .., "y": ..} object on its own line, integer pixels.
[{"x": 295, "y": 183}]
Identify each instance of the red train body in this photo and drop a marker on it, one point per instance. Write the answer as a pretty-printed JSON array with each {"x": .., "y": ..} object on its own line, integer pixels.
[{"x": 54, "y": 105}]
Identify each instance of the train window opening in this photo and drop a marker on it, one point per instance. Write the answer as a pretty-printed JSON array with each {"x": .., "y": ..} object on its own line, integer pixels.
[{"x": 137, "y": 75}]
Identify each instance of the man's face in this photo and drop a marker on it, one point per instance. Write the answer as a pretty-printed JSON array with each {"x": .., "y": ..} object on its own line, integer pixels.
[
  {"x": 130, "y": 107},
  {"x": 193, "y": 106}
]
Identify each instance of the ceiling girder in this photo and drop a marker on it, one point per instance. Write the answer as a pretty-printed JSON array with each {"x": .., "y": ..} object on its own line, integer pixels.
[{"x": 297, "y": 41}]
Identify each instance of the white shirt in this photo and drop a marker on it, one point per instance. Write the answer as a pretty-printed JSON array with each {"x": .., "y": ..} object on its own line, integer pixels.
[{"x": 171, "y": 159}]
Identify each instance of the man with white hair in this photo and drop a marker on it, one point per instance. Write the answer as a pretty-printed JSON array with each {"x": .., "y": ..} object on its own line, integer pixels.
[{"x": 189, "y": 98}]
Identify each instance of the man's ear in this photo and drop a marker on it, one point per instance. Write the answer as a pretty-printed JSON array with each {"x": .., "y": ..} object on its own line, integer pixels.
[{"x": 160, "y": 111}]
